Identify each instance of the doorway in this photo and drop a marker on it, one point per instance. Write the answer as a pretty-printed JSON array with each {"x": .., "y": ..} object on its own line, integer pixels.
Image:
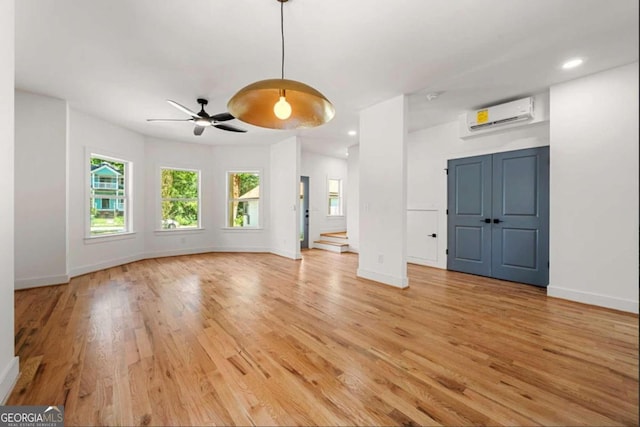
[
  {"x": 304, "y": 212},
  {"x": 498, "y": 215}
]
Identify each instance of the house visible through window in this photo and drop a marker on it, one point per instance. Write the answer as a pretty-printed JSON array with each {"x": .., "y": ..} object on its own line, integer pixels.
[
  {"x": 180, "y": 194},
  {"x": 108, "y": 197},
  {"x": 243, "y": 199},
  {"x": 335, "y": 197}
]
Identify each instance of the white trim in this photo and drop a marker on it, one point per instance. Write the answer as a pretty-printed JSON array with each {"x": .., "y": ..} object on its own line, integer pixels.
[
  {"x": 104, "y": 238},
  {"x": 196, "y": 251},
  {"x": 398, "y": 282},
  {"x": 593, "y": 299},
  {"x": 85, "y": 269},
  {"x": 177, "y": 231},
  {"x": 286, "y": 254},
  {"x": 238, "y": 229},
  {"x": 36, "y": 282},
  {"x": 8, "y": 378},
  {"x": 424, "y": 262}
]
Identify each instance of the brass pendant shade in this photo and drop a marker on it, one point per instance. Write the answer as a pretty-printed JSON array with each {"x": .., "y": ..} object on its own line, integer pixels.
[
  {"x": 254, "y": 104},
  {"x": 281, "y": 103}
]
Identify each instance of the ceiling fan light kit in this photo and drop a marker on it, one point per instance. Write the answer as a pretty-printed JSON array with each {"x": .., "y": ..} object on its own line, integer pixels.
[
  {"x": 202, "y": 119},
  {"x": 281, "y": 103}
]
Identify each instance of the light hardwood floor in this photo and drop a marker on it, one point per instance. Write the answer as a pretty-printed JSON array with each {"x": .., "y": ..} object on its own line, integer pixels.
[{"x": 259, "y": 339}]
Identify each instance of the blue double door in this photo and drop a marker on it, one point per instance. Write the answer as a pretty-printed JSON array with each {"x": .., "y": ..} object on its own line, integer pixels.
[{"x": 498, "y": 215}]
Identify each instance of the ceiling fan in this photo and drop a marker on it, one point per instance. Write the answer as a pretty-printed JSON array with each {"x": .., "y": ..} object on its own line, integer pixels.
[{"x": 202, "y": 119}]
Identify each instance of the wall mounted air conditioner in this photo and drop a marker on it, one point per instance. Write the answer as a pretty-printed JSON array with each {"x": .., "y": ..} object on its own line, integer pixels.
[{"x": 502, "y": 114}]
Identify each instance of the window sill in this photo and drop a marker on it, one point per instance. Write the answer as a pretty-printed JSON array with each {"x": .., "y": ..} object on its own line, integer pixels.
[
  {"x": 237, "y": 229},
  {"x": 335, "y": 216},
  {"x": 109, "y": 238},
  {"x": 177, "y": 231}
]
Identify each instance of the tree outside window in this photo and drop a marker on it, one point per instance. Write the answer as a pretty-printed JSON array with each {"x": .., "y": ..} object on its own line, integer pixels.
[
  {"x": 180, "y": 194},
  {"x": 243, "y": 199},
  {"x": 108, "y": 198}
]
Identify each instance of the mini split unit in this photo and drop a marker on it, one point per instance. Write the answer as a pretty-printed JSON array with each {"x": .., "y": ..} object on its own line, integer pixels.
[{"x": 502, "y": 114}]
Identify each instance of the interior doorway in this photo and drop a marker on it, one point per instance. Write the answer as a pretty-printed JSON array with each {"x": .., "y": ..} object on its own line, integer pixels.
[{"x": 304, "y": 212}]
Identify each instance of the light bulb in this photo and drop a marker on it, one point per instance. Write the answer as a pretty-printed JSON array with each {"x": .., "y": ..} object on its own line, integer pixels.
[{"x": 282, "y": 109}]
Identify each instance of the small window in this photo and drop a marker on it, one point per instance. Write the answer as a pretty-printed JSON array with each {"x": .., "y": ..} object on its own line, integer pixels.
[
  {"x": 243, "y": 199},
  {"x": 180, "y": 198},
  {"x": 335, "y": 197},
  {"x": 108, "y": 196}
]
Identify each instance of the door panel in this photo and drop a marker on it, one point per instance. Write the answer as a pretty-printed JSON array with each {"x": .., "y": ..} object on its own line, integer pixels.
[
  {"x": 520, "y": 240},
  {"x": 511, "y": 190},
  {"x": 469, "y": 203}
]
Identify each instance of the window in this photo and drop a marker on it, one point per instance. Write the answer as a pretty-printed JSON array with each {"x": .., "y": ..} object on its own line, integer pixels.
[
  {"x": 244, "y": 199},
  {"x": 108, "y": 196},
  {"x": 180, "y": 198},
  {"x": 335, "y": 197}
]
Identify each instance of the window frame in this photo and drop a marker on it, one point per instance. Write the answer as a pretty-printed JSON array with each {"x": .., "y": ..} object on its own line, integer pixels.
[
  {"x": 229, "y": 199},
  {"x": 127, "y": 198},
  {"x": 340, "y": 197},
  {"x": 160, "y": 199}
]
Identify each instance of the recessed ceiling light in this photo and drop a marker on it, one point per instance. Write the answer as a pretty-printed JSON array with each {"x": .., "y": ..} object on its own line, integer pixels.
[
  {"x": 352, "y": 133},
  {"x": 572, "y": 63}
]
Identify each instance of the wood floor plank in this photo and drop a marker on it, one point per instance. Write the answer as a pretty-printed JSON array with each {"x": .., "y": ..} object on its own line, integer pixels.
[{"x": 257, "y": 339}]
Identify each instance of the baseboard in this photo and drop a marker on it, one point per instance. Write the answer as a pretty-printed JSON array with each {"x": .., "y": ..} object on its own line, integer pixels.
[
  {"x": 286, "y": 254},
  {"x": 424, "y": 262},
  {"x": 35, "y": 282},
  {"x": 398, "y": 282},
  {"x": 8, "y": 378},
  {"x": 79, "y": 271},
  {"x": 353, "y": 250},
  {"x": 593, "y": 299}
]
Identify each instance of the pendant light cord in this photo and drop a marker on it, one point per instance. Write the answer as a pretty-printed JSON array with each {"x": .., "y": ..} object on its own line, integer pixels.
[{"x": 282, "y": 35}]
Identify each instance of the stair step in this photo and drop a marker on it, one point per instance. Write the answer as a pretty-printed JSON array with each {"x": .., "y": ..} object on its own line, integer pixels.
[
  {"x": 335, "y": 234},
  {"x": 328, "y": 242},
  {"x": 331, "y": 246}
]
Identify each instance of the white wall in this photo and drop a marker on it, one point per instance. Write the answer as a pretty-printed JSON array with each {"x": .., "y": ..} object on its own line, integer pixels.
[
  {"x": 8, "y": 363},
  {"x": 353, "y": 197},
  {"x": 41, "y": 186},
  {"x": 285, "y": 198},
  {"x": 88, "y": 134},
  {"x": 594, "y": 189},
  {"x": 319, "y": 169},
  {"x": 214, "y": 162},
  {"x": 427, "y": 153},
  {"x": 382, "y": 248}
]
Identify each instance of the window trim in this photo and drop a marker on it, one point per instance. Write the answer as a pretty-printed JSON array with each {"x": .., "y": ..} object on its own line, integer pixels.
[
  {"x": 228, "y": 200},
  {"x": 340, "y": 198},
  {"x": 158, "y": 217},
  {"x": 127, "y": 198}
]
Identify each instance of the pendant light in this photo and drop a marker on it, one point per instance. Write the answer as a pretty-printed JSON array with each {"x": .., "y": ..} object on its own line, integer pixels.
[{"x": 281, "y": 103}]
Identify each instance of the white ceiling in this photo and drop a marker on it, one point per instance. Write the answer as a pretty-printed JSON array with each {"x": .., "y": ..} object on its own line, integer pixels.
[{"x": 121, "y": 59}]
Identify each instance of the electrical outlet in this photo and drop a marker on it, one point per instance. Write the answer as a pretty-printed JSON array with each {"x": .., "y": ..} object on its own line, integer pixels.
[{"x": 380, "y": 259}]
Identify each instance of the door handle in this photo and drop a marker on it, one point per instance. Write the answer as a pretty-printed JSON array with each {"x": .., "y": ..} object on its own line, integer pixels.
[
  {"x": 487, "y": 220},
  {"x": 434, "y": 235},
  {"x": 496, "y": 221}
]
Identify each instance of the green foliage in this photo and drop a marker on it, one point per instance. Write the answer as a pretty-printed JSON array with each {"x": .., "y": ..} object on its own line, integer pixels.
[
  {"x": 179, "y": 184},
  {"x": 96, "y": 161}
]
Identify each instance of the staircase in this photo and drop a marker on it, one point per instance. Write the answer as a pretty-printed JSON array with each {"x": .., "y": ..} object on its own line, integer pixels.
[{"x": 336, "y": 241}]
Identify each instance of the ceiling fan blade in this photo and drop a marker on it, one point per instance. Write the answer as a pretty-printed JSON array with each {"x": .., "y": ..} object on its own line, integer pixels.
[
  {"x": 222, "y": 117},
  {"x": 169, "y": 120},
  {"x": 229, "y": 128},
  {"x": 183, "y": 109},
  {"x": 197, "y": 131}
]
